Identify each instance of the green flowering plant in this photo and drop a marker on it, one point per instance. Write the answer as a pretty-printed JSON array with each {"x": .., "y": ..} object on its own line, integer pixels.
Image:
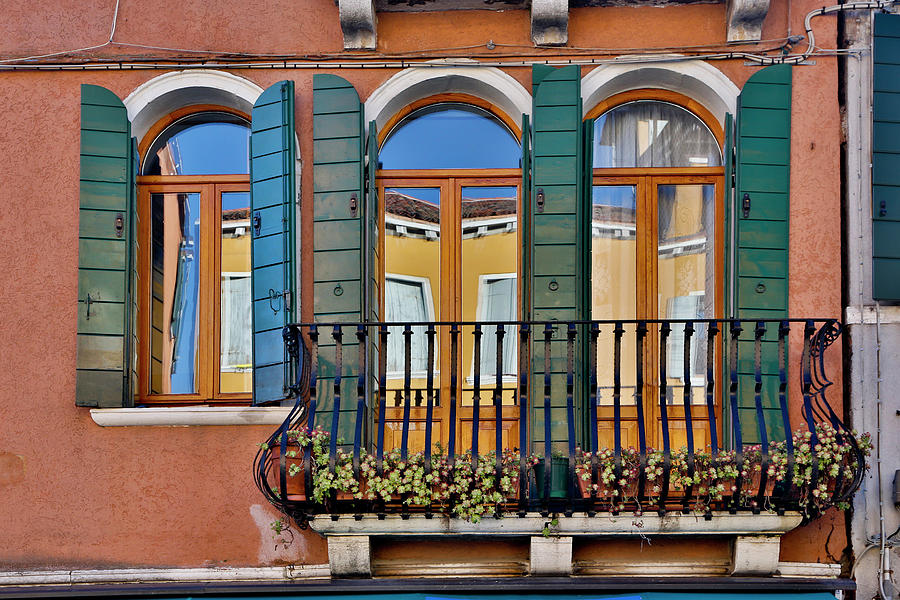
[
  {"x": 462, "y": 487},
  {"x": 712, "y": 478}
]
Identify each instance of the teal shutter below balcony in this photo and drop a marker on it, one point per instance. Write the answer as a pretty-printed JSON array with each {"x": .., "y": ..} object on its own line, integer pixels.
[
  {"x": 886, "y": 159},
  {"x": 557, "y": 271},
  {"x": 106, "y": 253},
  {"x": 761, "y": 209},
  {"x": 343, "y": 263},
  {"x": 273, "y": 223}
]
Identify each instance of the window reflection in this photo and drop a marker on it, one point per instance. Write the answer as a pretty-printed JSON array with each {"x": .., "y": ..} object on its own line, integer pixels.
[
  {"x": 653, "y": 134},
  {"x": 489, "y": 277},
  {"x": 175, "y": 233},
  {"x": 201, "y": 144},
  {"x": 412, "y": 250},
  {"x": 686, "y": 285},
  {"x": 450, "y": 136},
  {"x": 613, "y": 282},
  {"x": 235, "y": 339}
]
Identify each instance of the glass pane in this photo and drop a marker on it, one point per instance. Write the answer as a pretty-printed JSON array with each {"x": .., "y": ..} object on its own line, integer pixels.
[
  {"x": 686, "y": 280},
  {"x": 175, "y": 256},
  {"x": 613, "y": 282},
  {"x": 653, "y": 134},
  {"x": 201, "y": 144},
  {"x": 490, "y": 248},
  {"x": 236, "y": 368},
  {"x": 450, "y": 136},
  {"x": 412, "y": 258}
]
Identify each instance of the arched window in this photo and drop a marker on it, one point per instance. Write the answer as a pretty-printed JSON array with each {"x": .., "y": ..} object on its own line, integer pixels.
[
  {"x": 656, "y": 238},
  {"x": 194, "y": 206},
  {"x": 449, "y": 179}
]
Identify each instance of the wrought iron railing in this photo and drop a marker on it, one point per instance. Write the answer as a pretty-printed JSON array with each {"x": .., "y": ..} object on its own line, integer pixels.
[{"x": 571, "y": 381}]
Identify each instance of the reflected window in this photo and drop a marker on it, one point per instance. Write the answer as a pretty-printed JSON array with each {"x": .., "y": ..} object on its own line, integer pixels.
[
  {"x": 196, "y": 303},
  {"x": 408, "y": 300}
]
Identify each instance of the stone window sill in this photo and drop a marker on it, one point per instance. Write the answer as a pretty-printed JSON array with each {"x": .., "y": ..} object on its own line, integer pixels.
[{"x": 187, "y": 416}]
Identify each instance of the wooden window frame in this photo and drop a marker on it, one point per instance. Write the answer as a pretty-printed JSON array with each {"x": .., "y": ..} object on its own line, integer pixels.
[
  {"x": 209, "y": 306},
  {"x": 646, "y": 181}
]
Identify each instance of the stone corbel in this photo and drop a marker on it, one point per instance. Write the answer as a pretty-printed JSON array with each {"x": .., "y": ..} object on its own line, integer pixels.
[
  {"x": 745, "y": 19},
  {"x": 550, "y": 22},
  {"x": 358, "y": 24}
]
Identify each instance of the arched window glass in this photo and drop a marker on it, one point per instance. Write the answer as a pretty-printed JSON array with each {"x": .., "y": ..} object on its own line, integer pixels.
[
  {"x": 650, "y": 133},
  {"x": 209, "y": 143},
  {"x": 450, "y": 136}
]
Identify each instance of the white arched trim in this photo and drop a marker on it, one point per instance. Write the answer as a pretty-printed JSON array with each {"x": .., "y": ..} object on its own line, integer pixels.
[
  {"x": 156, "y": 98},
  {"x": 407, "y": 86},
  {"x": 696, "y": 79}
]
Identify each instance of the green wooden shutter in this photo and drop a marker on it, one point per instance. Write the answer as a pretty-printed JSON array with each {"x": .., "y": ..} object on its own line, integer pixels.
[
  {"x": 339, "y": 261},
  {"x": 525, "y": 206},
  {"x": 272, "y": 201},
  {"x": 106, "y": 255},
  {"x": 557, "y": 276},
  {"x": 761, "y": 255},
  {"x": 886, "y": 159}
]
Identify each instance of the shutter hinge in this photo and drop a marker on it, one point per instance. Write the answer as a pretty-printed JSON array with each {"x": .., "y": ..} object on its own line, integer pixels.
[
  {"x": 354, "y": 204},
  {"x": 745, "y": 205},
  {"x": 540, "y": 200},
  {"x": 257, "y": 223},
  {"x": 287, "y": 300},
  {"x": 120, "y": 225}
]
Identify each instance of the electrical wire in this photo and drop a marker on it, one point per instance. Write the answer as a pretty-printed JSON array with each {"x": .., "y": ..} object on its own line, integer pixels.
[
  {"x": 323, "y": 61},
  {"x": 112, "y": 32}
]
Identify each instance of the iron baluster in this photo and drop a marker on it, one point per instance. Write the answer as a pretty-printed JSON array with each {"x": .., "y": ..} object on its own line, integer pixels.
[
  {"x": 735, "y": 417},
  {"x": 429, "y": 407},
  {"x": 337, "y": 336}
]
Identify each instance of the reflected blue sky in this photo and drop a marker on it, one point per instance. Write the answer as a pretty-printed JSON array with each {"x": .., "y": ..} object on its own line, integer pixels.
[
  {"x": 450, "y": 138},
  {"x": 620, "y": 196},
  {"x": 479, "y": 192},
  {"x": 201, "y": 147},
  {"x": 432, "y": 195},
  {"x": 235, "y": 200}
]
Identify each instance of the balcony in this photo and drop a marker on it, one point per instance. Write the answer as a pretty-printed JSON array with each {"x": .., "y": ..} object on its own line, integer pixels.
[{"x": 642, "y": 421}]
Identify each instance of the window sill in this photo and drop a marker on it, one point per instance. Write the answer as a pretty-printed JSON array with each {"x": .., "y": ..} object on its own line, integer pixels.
[{"x": 187, "y": 416}]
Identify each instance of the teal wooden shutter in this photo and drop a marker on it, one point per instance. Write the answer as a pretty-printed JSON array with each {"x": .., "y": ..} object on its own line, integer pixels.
[
  {"x": 557, "y": 277},
  {"x": 106, "y": 253},
  {"x": 339, "y": 261},
  {"x": 761, "y": 206},
  {"x": 272, "y": 200},
  {"x": 886, "y": 159}
]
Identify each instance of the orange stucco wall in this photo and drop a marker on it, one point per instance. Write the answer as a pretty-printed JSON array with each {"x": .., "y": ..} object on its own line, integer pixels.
[{"x": 73, "y": 494}]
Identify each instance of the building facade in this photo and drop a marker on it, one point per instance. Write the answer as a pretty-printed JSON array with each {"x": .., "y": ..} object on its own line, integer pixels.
[{"x": 574, "y": 232}]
